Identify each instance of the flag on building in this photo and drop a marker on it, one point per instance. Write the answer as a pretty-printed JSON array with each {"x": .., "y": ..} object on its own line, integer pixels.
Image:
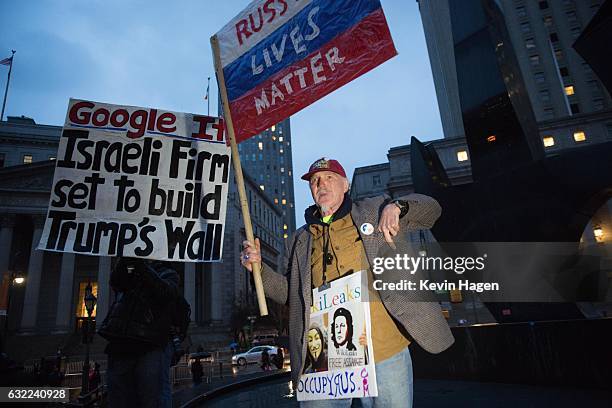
[{"x": 7, "y": 61}]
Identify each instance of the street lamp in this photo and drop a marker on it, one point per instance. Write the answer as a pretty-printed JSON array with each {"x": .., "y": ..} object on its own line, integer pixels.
[
  {"x": 90, "y": 303},
  {"x": 15, "y": 279}
]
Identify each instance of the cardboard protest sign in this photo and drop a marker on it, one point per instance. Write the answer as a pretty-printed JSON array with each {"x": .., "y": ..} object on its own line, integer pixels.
[
  {"x": 280, "y": 56},
  {"x": 338, "y": 364},
  {"x": 138, "y": 182}
]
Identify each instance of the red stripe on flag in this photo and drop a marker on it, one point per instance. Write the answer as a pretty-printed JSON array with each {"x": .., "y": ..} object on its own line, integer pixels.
[
  {"x": 6, "y": 61},
  {"x": 363, "y": 47}
]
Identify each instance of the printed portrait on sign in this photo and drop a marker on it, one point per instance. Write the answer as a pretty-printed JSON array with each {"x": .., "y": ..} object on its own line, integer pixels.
[
  {"x": 317, "y": 347},
  {"x": 348, "y": 347}
]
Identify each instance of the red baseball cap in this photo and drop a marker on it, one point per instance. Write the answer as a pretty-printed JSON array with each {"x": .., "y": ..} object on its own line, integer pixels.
[{"x": 324, "y": 164}]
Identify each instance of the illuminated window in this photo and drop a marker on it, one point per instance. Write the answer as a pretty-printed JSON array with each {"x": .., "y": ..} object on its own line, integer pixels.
[
  {"x": 276, "y": 201},
  {"x": 260, "y": 145},
  {"x": 462, "y": 155},
  {"x": 81, "y": 311},
  {"x": 598, "y": 232},
  {"x": 285, "y": 226},
  {"x": 280, "y": 138},
  {"x": 273, "y": 137},
  {"x": 579, "y": 136},
  {"x": 283, "y": 201},
  {"x": 280, "y": 150},
  {"x": 548, "y": 141},
  {"x": 285, "y": 236},
  {"x": 262, "y": 187},
  {"x": 289, "y": 172},
  {"x": 273, "y": 128},
  {"x": 569, "y": 90},
  {"x": 27, "y": 158},
  {"x": 282, "y": 169},
  {"x": 491, "y": 138}
]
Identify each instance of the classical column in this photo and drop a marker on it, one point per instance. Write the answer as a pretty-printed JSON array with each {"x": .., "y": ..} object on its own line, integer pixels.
[
  {"x": 189, "y": 289},
  {"x": 216, "y": 291},
  {"x": 64, "y": 295},
  {"x": 104, "y": 270},
  {"x": 32, "y": 290},
  {"x": 7, "y": 222}
]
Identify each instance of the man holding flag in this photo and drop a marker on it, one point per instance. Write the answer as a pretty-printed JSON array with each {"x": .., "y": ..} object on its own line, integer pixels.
[
  {"x": 339, "y": 238},
  {"x": 272, "y": 60}
]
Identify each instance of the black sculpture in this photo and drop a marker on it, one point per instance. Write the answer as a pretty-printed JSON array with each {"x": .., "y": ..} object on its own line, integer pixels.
[{"x": 517, "y": 193}]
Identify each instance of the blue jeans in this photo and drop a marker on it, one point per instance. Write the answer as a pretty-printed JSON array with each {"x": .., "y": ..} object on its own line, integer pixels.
[
  {"x": 394, "y": 379},
  {"x": 140, "y": 380}
]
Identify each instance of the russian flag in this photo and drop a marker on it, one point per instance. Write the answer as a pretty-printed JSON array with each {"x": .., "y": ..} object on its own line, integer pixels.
[{"x": 279, "y": 56}]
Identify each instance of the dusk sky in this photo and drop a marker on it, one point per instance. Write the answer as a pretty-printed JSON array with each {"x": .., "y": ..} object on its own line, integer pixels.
[{"x": 157, "y": 54}]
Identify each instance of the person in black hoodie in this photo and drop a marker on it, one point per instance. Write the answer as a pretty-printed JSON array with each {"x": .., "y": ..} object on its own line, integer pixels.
[{"x": 138, "y": 330}]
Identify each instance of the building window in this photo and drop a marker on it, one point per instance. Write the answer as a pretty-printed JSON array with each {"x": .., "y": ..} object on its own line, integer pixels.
[
  {"x": 548, "y": 141},
  {"x": 462, "y": 155},
  {"x": 51, "y": 157},
  {"x": 576, "y": 31},
  {"x": 554, "y": 37},
  {"x": 530, "y": 43},
  {"x": 285, "y": 236},
  {"x": 595, "y": 88},
  {"x": 579, "y": 136},
  {"x": 260, "y": 145},
  {"x": 548, "y": 21},
  {"x": 281, "y": 151},
  {"x": 2, "y": 158},
  {"x": 549, "y": 113},
  {"x": 521, "y": 12},
  {"x": 571, "y": 16},
  {"x": 575, "y": 108},
  {"x": 535, "y": 60},
  {"x": 376, "y": 180},
  {"x": 276, "y": 201},
  {"x": 284, "y": 201},
  {"x": 285, "y": 227},
  {"x": 598, "y": 104},
  {"x": 539, "y": 77},
  {"x": 282, "y": 169},
  {"x": 525, "y": 27},
  {"x": 273, "y": 128},
  {"x": 27, "y": 158},
  {"x": 280, "y": 138},
  {"x": 262, "y": 187},
  {"x": 569, "y": 90},
  {"x": 545, "y": 95},
  {"x": 559, "y": 55},
  {"x": 564, "y": 71},
  {"x": 543, "y": 5}
]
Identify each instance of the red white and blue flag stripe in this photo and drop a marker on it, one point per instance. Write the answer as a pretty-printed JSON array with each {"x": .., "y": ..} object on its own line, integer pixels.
[{"x": 279, "y": 56}]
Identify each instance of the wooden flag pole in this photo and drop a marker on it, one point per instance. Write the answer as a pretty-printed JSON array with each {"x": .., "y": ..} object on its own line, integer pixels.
[{"x": 244, "y": 204}]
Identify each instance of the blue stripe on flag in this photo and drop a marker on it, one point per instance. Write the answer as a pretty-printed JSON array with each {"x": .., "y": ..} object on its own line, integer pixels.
[{"x": 333, "y": 18}]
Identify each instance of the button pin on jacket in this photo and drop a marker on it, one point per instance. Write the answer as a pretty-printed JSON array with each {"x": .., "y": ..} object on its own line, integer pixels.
[{"x": 367, "y": 228}]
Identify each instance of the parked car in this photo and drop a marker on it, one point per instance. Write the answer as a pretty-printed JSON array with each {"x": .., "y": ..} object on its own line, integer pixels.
[
  {"x": 264, "y": 339},
  {"x": 253, "y": 355}
]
